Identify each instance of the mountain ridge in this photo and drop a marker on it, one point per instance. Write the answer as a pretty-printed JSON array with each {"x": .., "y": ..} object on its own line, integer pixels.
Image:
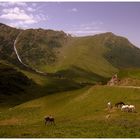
[
  {"x": 79, "y": 69},
  {"x": 50, "y": 51}
]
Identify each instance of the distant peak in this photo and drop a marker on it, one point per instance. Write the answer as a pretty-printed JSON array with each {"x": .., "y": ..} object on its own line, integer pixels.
[{"x": 108, "y": 34}]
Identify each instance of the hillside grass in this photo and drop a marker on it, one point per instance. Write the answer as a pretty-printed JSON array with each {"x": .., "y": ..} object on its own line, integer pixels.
[
  {"x": 77, "y": 58},
  {"x": 130, "y": 73},
  {"x": 130, "y": 76},
  {"x": 85, "y": 53},
  {"x": 18, "y": 85},
  {"x": 80, "y": 114}
]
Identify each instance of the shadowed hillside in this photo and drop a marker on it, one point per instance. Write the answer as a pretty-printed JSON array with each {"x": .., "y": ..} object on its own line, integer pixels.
[
  {"x": 18, "y": 86},
  {"x": 121, "y": 53},
  {"x": 14, "y": 86},
  {"x": 7, "y": 38},
  {"x": 12, "y": 81},
  {"x": 40, "y": 47}
]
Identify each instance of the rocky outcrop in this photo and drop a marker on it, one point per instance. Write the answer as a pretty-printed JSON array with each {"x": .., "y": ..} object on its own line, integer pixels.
[{"x": 114, "y": 80}]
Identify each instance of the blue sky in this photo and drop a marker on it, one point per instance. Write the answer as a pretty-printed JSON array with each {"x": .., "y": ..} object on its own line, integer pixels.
[{"x": 76, "y": 18}]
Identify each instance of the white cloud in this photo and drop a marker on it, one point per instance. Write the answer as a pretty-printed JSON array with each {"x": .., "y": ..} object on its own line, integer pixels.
[
  {"x": 34, "y": 4},
  {"x": 16, "y": 14},
  {"x": 41, "y": 17},
  {"x": 73, "y": 10},
  {"x": 91, "y": 25},
  {"x": 18, "y": 3},
  {"x": 30, "y": 9},
  {"x": 3, "y": 4},
  {"x": 7, "y": 4},
  {"x": 82, "y": 32},
  {"x": 90, "y": 28},
  {"x": 18, "y": 24},
  {"x": 21, "y": 18}
]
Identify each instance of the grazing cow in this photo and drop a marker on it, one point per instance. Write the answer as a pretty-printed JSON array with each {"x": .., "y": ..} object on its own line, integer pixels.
[
  {"x": 119, "y": 104},
  {"x": 109, "y": 105},
  {"x": 131, "y": 108},
  {"x": 125, "y": 108},
  {"x": 49, "y": 120},
  {"x": 128, "y": 108}
]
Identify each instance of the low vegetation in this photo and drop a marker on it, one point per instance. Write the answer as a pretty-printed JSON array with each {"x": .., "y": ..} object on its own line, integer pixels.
[
  {"x": 80, "y": 113},
  {"x": 72, "y": 88},
  {"x": 130, "y": 77}
]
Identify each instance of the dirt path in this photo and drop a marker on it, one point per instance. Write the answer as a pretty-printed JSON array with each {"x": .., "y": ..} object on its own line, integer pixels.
[
  {"x": 130, "y": 87},
  {"x": 136, "y": 87}
]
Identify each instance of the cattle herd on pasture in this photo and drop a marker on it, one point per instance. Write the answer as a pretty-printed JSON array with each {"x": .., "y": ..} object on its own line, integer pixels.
[
  {"x": 124, "y": 107},
  {"x": 121, "y": 105}
]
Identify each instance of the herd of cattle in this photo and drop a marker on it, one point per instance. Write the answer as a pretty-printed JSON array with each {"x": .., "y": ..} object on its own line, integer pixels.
[{"x": 122, "y": 106}]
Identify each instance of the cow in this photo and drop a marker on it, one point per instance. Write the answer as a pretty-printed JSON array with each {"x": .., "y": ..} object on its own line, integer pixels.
[
  {"x": 119, "y": 104},
  {"x": 109, "y": 105},
  {"x": 49, "y": 120},
  {"x": 128, "y": 108}
]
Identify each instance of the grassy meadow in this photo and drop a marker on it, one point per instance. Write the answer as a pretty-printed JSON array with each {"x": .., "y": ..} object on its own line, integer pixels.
[
  {"x": 72, "y": 88},
  {"x": 79, "y": 113}
]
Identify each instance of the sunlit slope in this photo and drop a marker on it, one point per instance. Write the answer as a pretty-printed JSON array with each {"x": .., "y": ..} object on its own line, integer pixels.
[
  {"x": 79, "y": 113},
  {"x": 89, "y": 101},
  {"x": 130, "y": 76},
  {"x": 103, "y": 54},
  {"x": 86, "y": 53}
]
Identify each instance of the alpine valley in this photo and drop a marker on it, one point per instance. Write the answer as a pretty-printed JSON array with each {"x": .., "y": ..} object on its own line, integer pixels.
[{"x": 45, "y": 72}]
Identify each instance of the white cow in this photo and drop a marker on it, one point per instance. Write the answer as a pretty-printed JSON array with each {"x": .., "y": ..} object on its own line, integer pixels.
[
  {"x": 109, "y": 105},
  {"x": 131, "y": 108},
  {"x": 128, "y": 108},
  {"x": 125, "y": 108}
]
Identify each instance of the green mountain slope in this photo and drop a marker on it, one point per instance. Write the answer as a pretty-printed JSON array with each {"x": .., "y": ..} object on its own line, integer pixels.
[
  {"x": 7, "y": 38},
  {"x": 12, "y": 81},
  {"x": 39, "y": 47},
  {"x": 129, "y": 77},
  {"x": 80, "y": 113},
  {"x": 26, "y": 96},
  {"x": 21, "y": 83},
  {"x": 18, "y": 85},
  {"x": 121, "y": 53},
  {"x": 95, "y": 54},
  {"x": 102, "y": 54},
  {"x": 89, "y": 59}
]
